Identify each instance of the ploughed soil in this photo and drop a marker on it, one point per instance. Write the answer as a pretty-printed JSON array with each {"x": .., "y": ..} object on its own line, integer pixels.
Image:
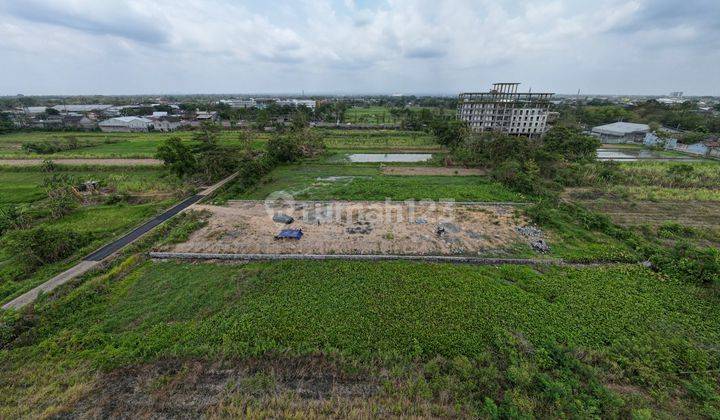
[
  {"x": 431, "y": 170},
  {"x": 630, "y": 213},
  {"x": 98, "y": 162},
  {"x": 341, "y": 227}
]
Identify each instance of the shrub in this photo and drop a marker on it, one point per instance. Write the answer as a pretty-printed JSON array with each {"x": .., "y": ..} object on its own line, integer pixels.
[
  {"x": 55, "y": 145},
  {"x": 13, "y": 217},
  {"x": 39, "y": 246},
  {"x": 689, "y": 263}
]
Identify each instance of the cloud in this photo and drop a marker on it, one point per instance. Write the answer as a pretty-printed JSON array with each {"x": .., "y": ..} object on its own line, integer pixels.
[
  {"x": 373, "y": 45},
  {"x": 115, "y": 18}
]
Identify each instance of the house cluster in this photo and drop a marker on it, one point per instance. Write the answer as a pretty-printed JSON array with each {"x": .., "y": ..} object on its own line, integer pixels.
[
  {"x": 628, "y": 133},
  {"x": 107, "y": 118}
]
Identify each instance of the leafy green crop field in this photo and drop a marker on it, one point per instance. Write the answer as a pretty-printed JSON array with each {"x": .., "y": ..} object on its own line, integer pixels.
[
  {"x": 366, "y": 182},
  {"x": 602, "y": 341}
]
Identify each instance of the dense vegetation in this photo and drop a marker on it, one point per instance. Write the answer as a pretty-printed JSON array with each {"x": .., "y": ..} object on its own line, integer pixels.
[{"x": 479, "y": 341}]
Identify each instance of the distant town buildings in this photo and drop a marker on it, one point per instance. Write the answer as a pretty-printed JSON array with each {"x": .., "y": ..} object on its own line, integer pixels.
[
  {"x": 621, "y": 132},
  {"x": 506, "y": 110},
  {"x": 125, "y": 125}
]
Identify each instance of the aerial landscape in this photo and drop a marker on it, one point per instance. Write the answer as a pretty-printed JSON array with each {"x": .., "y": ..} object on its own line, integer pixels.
[{"x": 360, "y": 209}]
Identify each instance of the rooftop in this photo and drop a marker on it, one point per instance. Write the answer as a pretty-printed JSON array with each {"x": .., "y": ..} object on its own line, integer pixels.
[{"x": 621, "y": 128}]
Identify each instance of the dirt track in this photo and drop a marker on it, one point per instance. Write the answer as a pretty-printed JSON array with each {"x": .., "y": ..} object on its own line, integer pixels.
[
  {"x": 97, "y": 162},
  {"x": 358, "y": 228}
]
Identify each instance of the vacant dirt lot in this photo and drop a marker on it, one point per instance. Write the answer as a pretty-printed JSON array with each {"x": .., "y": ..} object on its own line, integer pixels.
[
  {"x": 431, "y": 170},
  {"x": 629, "y": 213},
  {"x": 358, "y": 228}
]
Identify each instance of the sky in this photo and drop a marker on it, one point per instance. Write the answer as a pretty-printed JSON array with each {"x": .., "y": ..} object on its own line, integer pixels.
[{"x": 646, "y": 47}]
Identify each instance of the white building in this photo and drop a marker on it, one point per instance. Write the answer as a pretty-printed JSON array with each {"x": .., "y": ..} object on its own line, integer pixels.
[
  {"x": 125, "y": 125},
  {"x": 240, "y": 103},
  {"x": 82, "y": 108},
  {"x": 504, "y": 109},
  {"x": 621, "y": 132},
  {"x": 296, "y": 102}
]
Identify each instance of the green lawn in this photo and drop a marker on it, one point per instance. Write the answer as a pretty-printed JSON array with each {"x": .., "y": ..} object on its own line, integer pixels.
[
  {"x": 607, "y": 342},
  {"x": 366, "y": 182}
]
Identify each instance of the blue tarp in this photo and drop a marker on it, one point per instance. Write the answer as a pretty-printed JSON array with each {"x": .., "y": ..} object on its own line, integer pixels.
[{"x": 290, "y": 234}]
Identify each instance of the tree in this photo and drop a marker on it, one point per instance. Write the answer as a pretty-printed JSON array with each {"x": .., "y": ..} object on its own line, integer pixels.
[
  {"x": 340, "y": 111},
  {"x": 571, "y": 143},
  {"x": 449, "y": 132},
  {"x": 62, "y": 196},
  {"x": 177, "y": 157},
  {"x": 207, "y": 136},
  {"x": 299, "y": 121}
]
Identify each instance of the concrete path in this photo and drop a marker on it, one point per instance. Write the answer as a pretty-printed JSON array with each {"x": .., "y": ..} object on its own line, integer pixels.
[
  {"x": 93, "y": 260},
  {"x": 78, "y": 161}
]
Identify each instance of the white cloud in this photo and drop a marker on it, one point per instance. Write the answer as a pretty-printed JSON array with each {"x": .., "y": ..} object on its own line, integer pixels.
[{"x": 343, "y": 45}]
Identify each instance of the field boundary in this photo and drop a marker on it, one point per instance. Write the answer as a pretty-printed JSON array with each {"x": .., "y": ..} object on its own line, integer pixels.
[
  {"x": 462, "y": 203},
  {"x": 354, "y": 257}
]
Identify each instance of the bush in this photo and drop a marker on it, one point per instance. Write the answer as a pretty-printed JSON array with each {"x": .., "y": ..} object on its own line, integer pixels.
[
  {"x": 39, "y": 246},
  {"x": 13, "y": 217},
  {"x": 689, "y": 263},
  {"x": 55, "y": 145}
]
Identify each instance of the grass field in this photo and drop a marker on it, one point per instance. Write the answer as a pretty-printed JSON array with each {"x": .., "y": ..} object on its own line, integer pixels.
[
  {"x": 144, "y": 145},
  {"x": 380, "y": 114},
  {"x": 152, "y": 188},
  {"x": 366, "y": 182},
  {"x": 443, "y": 338},
  {"x": 24, "y": 185}
]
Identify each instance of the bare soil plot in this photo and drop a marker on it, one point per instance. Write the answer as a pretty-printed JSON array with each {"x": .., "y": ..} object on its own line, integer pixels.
[
  {"x": 358, "y": 228},
  {"x": 431, "y": 170},
  {"x": 629, "y": 213}
]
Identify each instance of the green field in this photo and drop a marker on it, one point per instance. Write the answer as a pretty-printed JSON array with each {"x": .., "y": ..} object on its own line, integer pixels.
[
  {"x": 370, "y": 115},
  {"x": 366, "y": 182},
  {"x": 24, "y": 185},
  {"x": 429, "y": 339},
  {"x": 144, "y": 145},
  {"x": 149, "y": 191},
  {"x": 603, "y": 337},
  {"x": 380, "y": 114}
]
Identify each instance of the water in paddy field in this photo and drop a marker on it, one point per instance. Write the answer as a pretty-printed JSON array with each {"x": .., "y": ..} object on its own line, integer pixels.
[
  {"x": 632, "y": 155},
  {"x": 389, "y": 157}
]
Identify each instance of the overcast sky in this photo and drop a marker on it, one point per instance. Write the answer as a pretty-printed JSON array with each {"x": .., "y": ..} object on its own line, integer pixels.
[{"x": 358, "y": 46}]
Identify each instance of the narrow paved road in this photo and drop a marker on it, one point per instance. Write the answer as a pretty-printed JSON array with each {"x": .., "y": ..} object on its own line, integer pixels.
[{"x": 93, "y": 260}]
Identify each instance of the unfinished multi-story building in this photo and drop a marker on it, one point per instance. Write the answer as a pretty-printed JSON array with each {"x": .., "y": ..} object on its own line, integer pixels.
[{"x": 506, "y": 110}]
